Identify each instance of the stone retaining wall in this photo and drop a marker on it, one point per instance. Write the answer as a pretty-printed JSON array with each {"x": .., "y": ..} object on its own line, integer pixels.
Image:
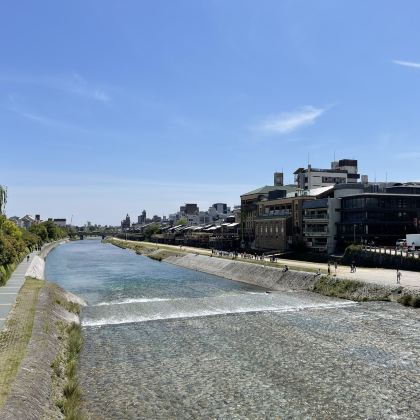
[
  {"x": 259, "y": 275},
  {"x": 272, "y": 278}
]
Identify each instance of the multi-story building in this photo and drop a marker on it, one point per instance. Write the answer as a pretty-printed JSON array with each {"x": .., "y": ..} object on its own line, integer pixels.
[
  {"x": 342, "y": 172},
  {"x": 141, "y": 220},
  {"x": 272, "y": 231},
  {"x": 291, "y": 207},
  {"x": 320, "y": 219},
  {"x": 379, "y": 217},
  {"x": 249, "y": 209},
  {"x": 221, "y": 208},
  {"x": 126, "y": 223},
  {"x": 190, "y": 208}
]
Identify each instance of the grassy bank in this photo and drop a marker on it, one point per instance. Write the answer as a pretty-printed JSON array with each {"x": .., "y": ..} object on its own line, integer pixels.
[
  {"x": 410, "y": 300},
  {"x": 156, "y": 252},
  {"x": 65, "y": 373},
  {"x": 352, "y": 289},
  {"x": 16, "y": 333},
  {"x": 39, "y": 349}
]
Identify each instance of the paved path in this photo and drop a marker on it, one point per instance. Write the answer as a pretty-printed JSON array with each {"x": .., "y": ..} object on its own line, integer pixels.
[{"x": 9, "y": 292}]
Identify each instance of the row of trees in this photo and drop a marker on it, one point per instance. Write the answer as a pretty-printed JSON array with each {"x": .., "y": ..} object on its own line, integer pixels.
[{"x": 15, "y": 242}]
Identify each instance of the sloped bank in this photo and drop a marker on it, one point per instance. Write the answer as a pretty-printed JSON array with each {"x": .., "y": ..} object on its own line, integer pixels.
[
  {"x": 275, "y": 279},
  {"x": 37, "y": 389},
  {"x": 36, "y": 269}
]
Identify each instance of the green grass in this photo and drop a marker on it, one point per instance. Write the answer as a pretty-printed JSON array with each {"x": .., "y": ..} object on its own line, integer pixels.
[
  {"x": 15, "y": 336},
  {"x": 69, "y": 306},
  {"x": 70, "y": 405},
  {"x": 337, "y": 288},
  {"x": 410, "y": 300}
]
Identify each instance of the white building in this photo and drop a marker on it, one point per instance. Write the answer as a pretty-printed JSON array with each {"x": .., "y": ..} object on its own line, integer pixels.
[{"x": 342, "y": 172}]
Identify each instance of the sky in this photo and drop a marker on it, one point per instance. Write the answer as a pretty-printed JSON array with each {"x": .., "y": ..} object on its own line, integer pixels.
[{"x": 112, "y": 107}]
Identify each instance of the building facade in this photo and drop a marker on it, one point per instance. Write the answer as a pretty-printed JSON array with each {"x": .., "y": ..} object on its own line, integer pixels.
[{"x": 342, "y": 172}]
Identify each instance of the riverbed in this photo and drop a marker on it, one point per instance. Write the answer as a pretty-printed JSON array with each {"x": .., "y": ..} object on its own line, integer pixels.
[{"x": 165, "y": 342}]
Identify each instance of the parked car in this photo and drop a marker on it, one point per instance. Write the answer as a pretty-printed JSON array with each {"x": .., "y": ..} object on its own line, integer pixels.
[{"x": 401, "y": 243}]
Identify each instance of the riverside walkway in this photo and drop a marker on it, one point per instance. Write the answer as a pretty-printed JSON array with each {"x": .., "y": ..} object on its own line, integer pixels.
[
  {"x": 10, "y": 290},
  {"x": 382, "y": 276}
]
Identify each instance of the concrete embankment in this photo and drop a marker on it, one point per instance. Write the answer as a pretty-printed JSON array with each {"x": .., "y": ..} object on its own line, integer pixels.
[
  {"x": 275, "y": 279},
  {"x": 259, "y": 275},
  {"x": 36, "y": 269}
]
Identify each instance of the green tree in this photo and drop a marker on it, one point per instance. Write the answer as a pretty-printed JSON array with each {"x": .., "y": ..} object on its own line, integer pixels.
[
  {"x": 181, "y": 222},
  {"x": 9, "y": 228},
  {"x": 151, "y": 230},
  {"x": 54, "y": 232},
  {"x": 40, "y": 231}
]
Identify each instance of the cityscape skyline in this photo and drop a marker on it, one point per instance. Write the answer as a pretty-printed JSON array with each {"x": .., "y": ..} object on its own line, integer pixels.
[{"x": 160, "y": 104}]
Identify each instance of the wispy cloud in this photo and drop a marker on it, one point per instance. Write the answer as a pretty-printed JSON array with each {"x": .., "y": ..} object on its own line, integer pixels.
[
  {"x": 79, "y": 86},
  {"x": 46, "y": 121},
  {"x": 72, "y": 84},
  {"x": 287, "y": 122},
  {"x": 408, "y": 155},
  {"x": 407, "y": 63}
]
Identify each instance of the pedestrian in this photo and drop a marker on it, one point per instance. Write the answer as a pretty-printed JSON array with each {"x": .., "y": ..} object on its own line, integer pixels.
[
  {"x": 27, "y": 258},
  {"x": 353, "y": 264},
  {"x": 335, "y": 267},
  {"x": 399, "y": 276},
  {"x": 318, "y": 272},
  {"x": 329, "y": 269}
]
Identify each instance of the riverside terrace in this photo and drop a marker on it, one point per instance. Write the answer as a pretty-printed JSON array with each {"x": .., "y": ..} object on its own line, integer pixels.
[{"x": 225, "y": 236}]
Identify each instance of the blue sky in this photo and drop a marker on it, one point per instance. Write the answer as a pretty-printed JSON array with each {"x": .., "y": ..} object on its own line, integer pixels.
[{"x": 110, "y": 107}]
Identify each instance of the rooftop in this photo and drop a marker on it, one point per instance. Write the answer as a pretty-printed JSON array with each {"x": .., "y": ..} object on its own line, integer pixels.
[{"x": 268, "y": 188}]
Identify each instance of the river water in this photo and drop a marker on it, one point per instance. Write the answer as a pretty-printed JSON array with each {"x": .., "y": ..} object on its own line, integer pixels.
[{"x": 162, "y": 342}]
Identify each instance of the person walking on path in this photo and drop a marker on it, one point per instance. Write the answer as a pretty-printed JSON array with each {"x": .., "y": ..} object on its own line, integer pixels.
[
  {"x": 353, "y": 266},
  {"x": 335, "y": 268},
  {"x": 329, "y": 269},
  {"x": 399, "y": 276},
  {"x": 27, "y": 258}
]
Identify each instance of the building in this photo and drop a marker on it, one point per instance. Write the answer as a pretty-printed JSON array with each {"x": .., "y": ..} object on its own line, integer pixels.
[
  {"x": 23, "y": 222},
  {"x": 320, "y": 217},
  {"x": 126, "y": 223},
  {"x": 190, "y": 209},
  {"x": 141, "y": 220},
  {"x": 221, "y": 208},
  {"x": 272, "y": 231},
  {"x": 381, "y": 218},
  {"x": 278, "y": 179},
  {"x": 60, "y": 222},
  {"x": 249, "y": 209},
  {"x": 342, "y": 172},
  {"x": 291, "y": 207}
]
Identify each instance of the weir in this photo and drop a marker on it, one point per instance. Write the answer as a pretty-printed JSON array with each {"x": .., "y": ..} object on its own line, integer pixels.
[{"x": 143, "y": 310}]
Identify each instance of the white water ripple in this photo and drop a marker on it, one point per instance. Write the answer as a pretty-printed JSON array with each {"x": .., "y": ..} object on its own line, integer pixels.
[{"x": 135, "y": 318}]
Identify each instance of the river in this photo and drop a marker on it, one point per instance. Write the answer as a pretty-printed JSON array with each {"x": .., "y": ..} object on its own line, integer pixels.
[{"x": 163, "y": 342}]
